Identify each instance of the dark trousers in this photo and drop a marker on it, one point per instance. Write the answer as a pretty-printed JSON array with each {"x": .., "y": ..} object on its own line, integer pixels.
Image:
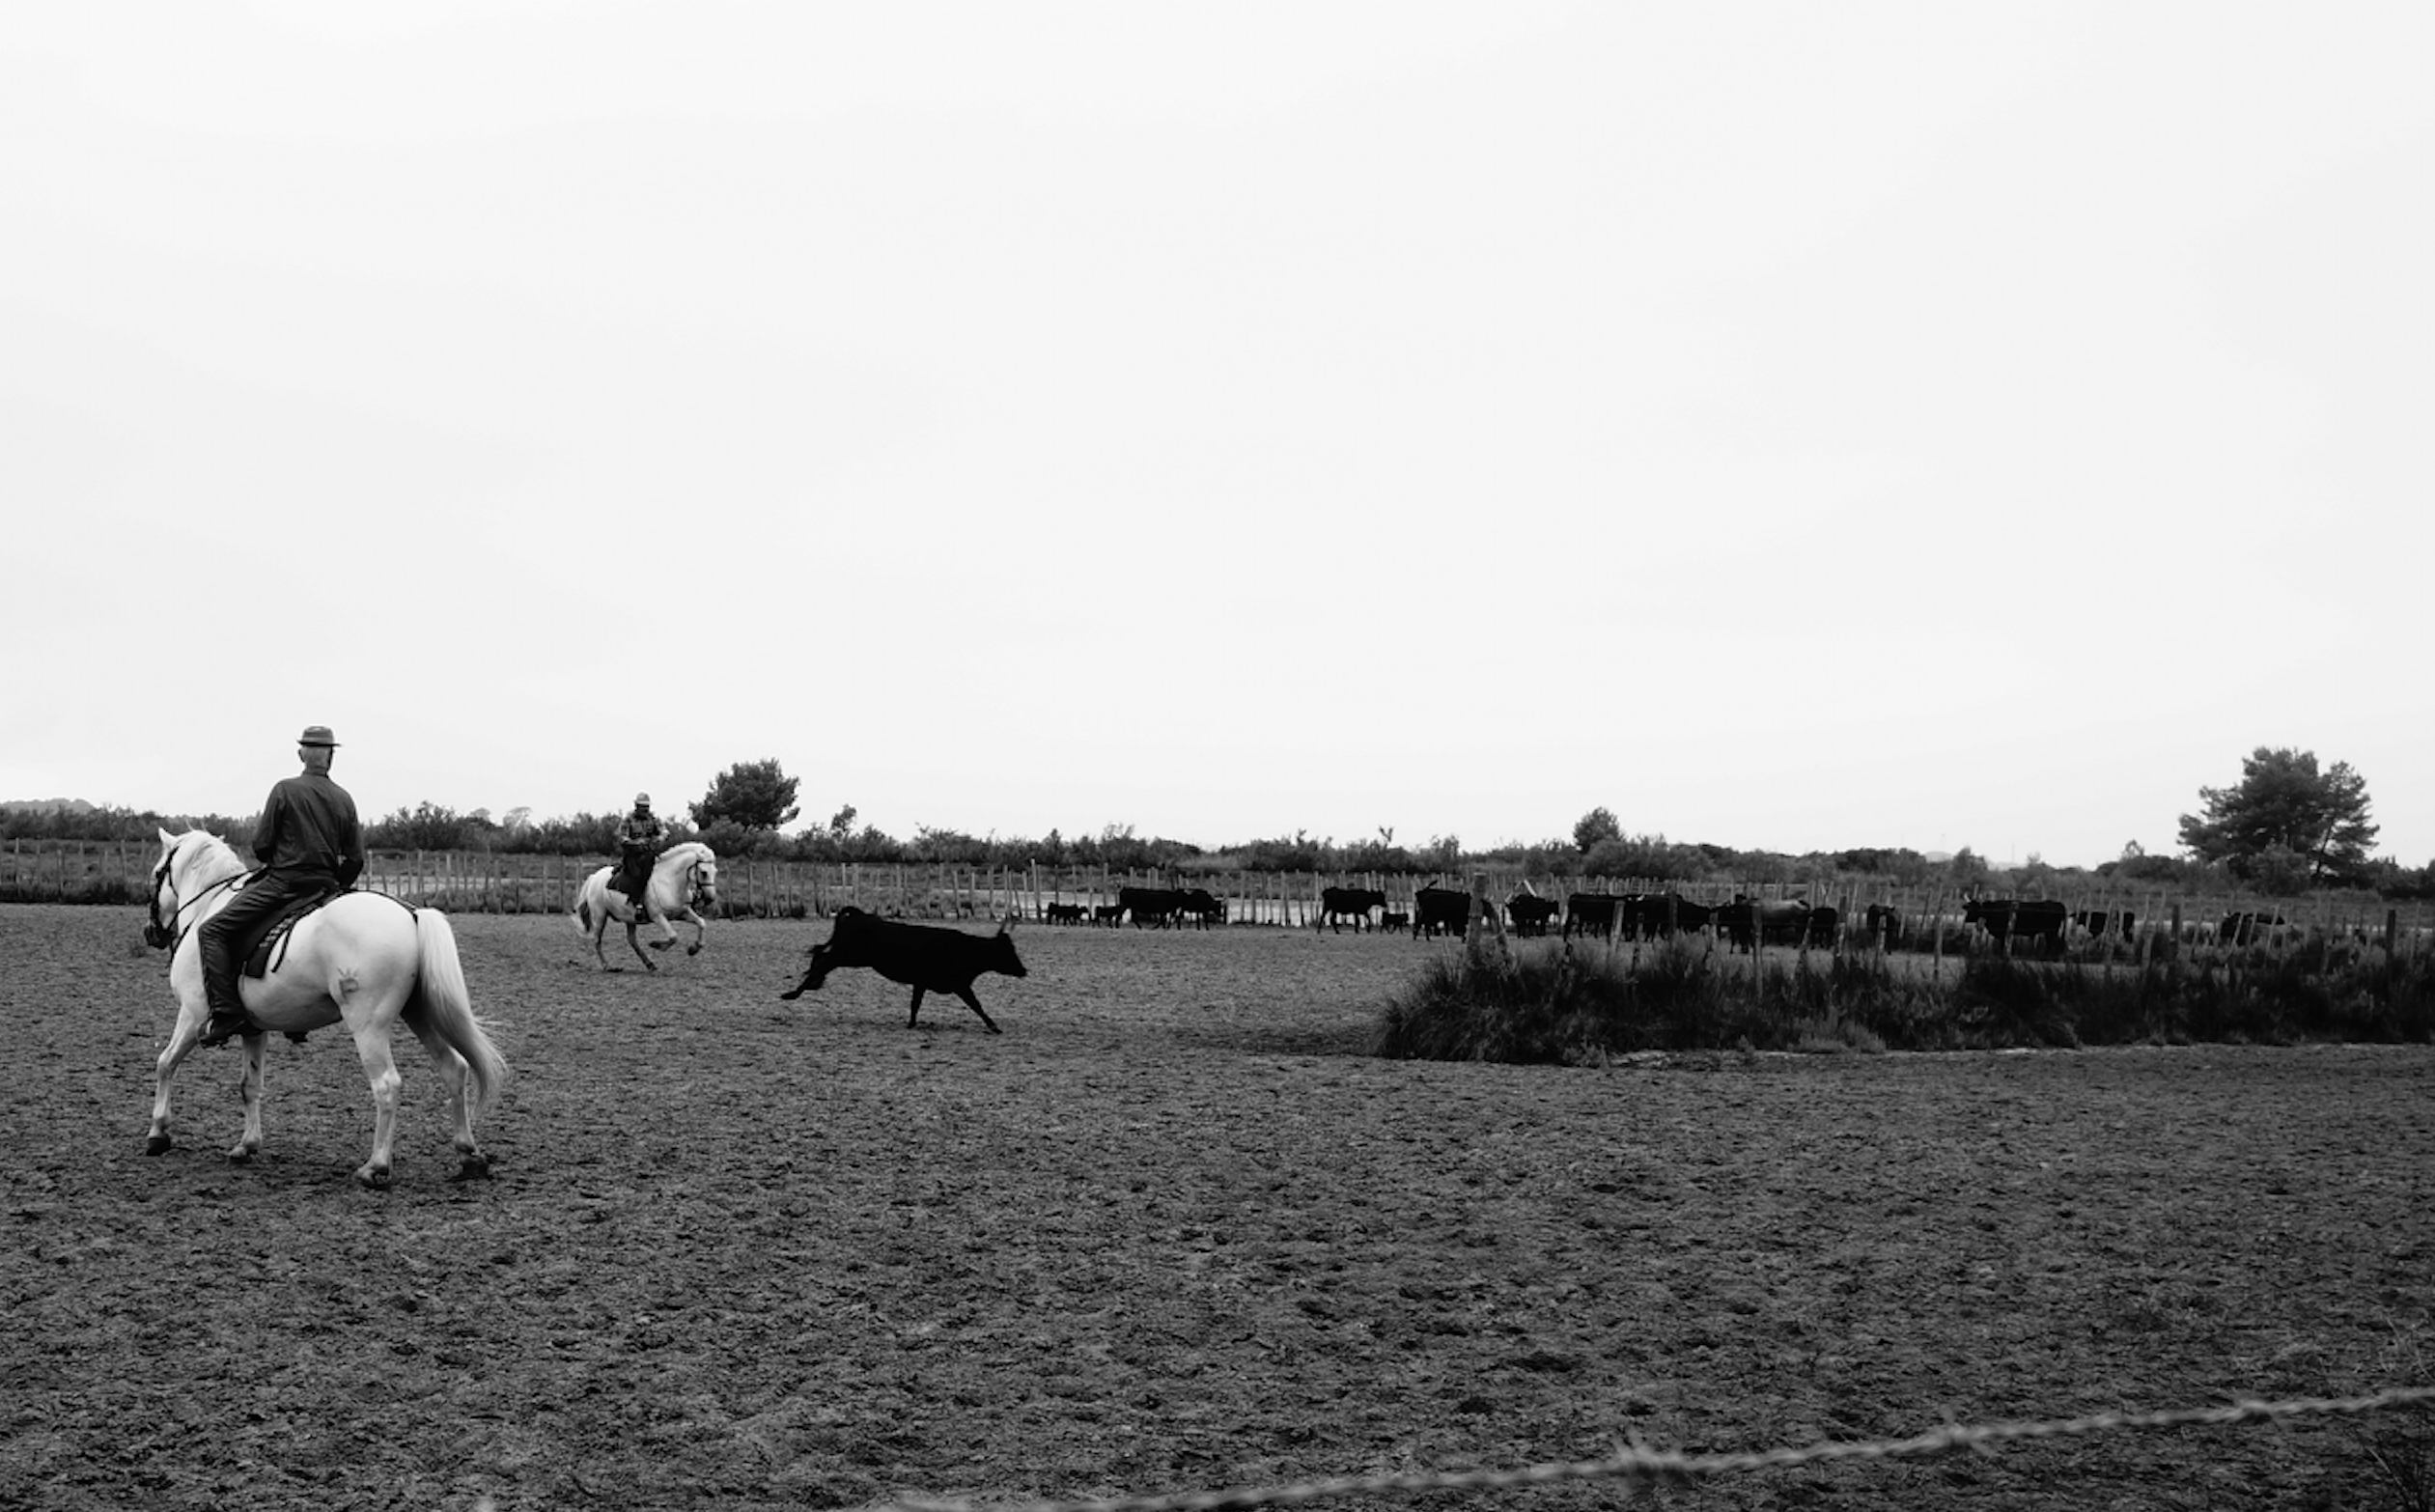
[
  {"x": 225, "y": 933},
  {"x": 633, "y": 878}
]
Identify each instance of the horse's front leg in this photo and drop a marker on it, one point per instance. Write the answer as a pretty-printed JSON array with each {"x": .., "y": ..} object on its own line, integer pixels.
[
  {"x": 635, "y": 946},
  {"x": 667, "y": 931},
  {"x": 700, "y": 927},
  {"x": 249, "y": 1143},
  {"x": 182, "y": 1038}
]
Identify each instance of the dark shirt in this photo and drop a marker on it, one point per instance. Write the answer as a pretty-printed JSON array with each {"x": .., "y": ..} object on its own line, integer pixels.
[
  {"x": 308, "y": 832},
  {"x": 641, "y": 830}
]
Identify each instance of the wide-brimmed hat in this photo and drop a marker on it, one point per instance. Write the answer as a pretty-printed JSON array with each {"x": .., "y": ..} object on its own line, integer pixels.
[
  {"x": 317, "y": 734},
  {"x": 642, "y": 800}
]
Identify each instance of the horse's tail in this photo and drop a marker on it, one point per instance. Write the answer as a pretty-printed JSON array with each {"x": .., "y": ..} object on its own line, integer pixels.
[
  {"x": 583, "y": 915},
  {"x": 449, "y": 1005}
]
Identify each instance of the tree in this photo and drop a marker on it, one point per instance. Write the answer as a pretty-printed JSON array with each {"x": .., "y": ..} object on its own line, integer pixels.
[
  {"x": 428, "y": 827},
  {"x": 2285, "y": 816},
  {"x": 1598, "y": 824},
  {"x": 754, "y": 794},
  {"x": 1968, "y": 869}
]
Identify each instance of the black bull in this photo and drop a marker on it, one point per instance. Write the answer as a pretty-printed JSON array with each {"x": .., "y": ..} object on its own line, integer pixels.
[
  {"x": 2008, "y": 919},
  {"x": 1162, "y": 906},
  {"x": 1435, "y": 909},
  {"x": 1530, "y": 913},
  {"x": 1336, "y": 904},
  {"x": 1155, "y": 906},
  {"x": 926, "y": 957}
]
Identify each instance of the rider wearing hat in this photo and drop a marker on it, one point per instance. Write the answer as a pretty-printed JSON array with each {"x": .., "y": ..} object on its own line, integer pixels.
[
  {"x": 638, "y": 840},
  {"x": 308, "y": 841}
]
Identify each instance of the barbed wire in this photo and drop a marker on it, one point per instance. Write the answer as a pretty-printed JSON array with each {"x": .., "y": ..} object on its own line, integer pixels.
[{"x": 1636, "y": 1462}]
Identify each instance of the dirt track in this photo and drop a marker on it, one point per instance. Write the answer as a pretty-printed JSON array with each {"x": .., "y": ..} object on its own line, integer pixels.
[{"x": 1165, "y": 1233}]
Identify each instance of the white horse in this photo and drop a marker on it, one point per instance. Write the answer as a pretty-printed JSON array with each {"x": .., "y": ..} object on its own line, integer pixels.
[
  {"x": 684, "y": 878},
  {"x": 364, "y": 959}
]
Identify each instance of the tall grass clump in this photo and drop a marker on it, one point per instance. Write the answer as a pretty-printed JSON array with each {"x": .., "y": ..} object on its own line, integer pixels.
[
  {"x": 1562, "y": 1004},
  {"x": 1570, "y": 1004}
]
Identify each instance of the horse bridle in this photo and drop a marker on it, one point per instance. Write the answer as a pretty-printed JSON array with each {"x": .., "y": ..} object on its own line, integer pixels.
[{"x": 160, "y": 936}]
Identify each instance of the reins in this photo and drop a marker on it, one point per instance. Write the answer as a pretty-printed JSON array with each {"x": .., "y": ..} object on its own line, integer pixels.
[{"x": 155, "y": 935}]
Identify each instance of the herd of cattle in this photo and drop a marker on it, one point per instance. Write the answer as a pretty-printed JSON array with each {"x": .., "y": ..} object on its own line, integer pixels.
[
  {"x": 933, "y": 959},
  {"x": 1153, "y": 907},
  {"x": 2042, "y": 925}
]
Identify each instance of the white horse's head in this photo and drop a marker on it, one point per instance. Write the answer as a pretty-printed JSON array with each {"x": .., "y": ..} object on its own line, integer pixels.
[
  {"x": 703, "y": 864},
  {"x": 189, "y": 863}
]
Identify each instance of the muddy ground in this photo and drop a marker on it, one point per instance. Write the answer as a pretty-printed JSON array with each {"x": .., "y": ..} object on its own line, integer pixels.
[{"x": 1171, "y": 1231}]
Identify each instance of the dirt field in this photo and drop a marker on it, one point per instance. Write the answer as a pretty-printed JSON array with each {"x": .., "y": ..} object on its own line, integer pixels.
[{"x": 1169, "y": 1232}]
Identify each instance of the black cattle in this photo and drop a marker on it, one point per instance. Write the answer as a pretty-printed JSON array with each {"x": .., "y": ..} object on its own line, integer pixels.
[
  {"x": 1393, "y": 918},
  {"x": 2245, "y": 929},
  {"x": 1885, "y": 922},
  {"x": 1591, "y": 913},
  {"x": 1155, "y": 906},
  {"x": 929, "y": 958},
  {"x": 1529, "y": 913},
  {"x": 1112, "y": 914},
  {"x": 1065, "y": 913},
  {"x": 1435, "y": 909},
  {"x": 1824, "y": 920},
  {"x": 2006, "y": 919},
  {"x": 1200, "y": 906},
  {"x": 1654, "y": 916},
  {"x": 1752, "y": 922},
  {"x": 1354, "y": 902}
]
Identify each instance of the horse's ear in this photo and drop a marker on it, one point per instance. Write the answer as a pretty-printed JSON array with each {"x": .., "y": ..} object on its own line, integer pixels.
[{"x": 166, "y": 838}]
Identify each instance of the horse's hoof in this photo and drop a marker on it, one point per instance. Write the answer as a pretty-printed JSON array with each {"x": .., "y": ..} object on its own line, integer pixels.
[
  {"x": 692, "y": 950},
  {"x": 475, "y": 1167},
  {"x": 661, "y": 944},
  {"x": 157, "y": 1144},
  {"x": 376, "y": 1177},
  {"x": 240, "y": 1155}
]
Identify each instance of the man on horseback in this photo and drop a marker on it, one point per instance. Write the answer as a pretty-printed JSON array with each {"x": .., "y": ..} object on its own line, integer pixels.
[
  {"x": 639, "y": 841},
  {"x": 309, "y": 843}
]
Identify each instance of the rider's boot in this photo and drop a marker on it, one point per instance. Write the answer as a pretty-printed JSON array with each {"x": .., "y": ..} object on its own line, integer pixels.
[{"x": 229, "y": 1017}]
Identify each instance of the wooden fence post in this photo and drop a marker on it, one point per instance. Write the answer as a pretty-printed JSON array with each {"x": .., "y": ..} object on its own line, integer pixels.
[{"x": 1486, "y": 919}]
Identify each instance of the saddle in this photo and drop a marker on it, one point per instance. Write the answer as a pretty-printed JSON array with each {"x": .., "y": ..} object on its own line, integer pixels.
[{"x": 258, "y": 953}]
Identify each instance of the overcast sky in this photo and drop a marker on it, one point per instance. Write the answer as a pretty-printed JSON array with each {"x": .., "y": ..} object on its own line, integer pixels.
[{"x": 1791, "y": 426}]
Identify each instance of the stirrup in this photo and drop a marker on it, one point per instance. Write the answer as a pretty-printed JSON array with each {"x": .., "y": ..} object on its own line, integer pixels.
[{"x": 220, "y": 1029}]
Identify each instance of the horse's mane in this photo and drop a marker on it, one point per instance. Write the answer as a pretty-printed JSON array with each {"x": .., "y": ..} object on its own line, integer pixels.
[
  {"x": 211, "y": 845},
  {"x": 690, "y": 850}
]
